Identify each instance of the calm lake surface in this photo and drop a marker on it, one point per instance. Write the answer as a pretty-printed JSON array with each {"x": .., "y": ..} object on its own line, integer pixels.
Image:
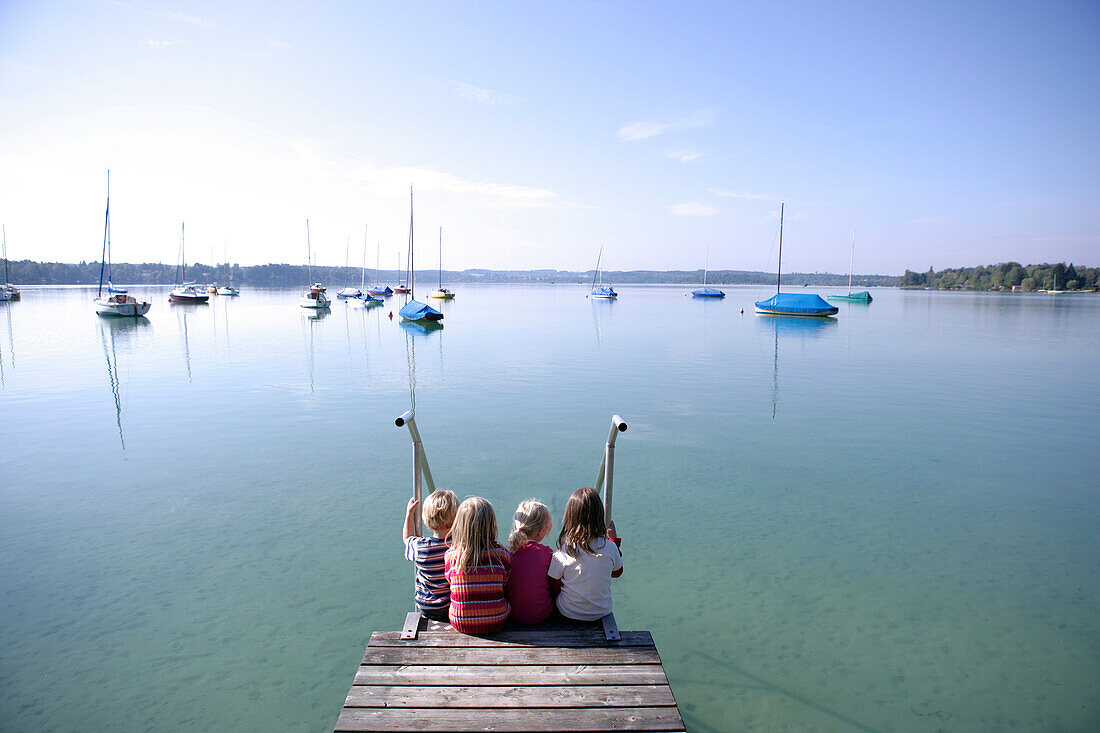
[{"x": 885, "y": 522}]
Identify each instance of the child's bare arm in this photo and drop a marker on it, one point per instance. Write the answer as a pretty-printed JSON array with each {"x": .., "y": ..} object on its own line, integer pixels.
[
  {"x": 409, "y": 530},
  {"x": 555, "y": 587},
  {"x": 618, "y": 543}
]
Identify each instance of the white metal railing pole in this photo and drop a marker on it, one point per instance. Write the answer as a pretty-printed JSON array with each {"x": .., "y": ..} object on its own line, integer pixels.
[
  {"x": 605, "y": 478},
  {"x": 421, "y": 472}
]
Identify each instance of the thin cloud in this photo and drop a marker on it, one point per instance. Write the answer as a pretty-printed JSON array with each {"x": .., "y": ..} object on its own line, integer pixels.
[
  {"x": 693, "y": 208},
  {"x": 643, "y": 130},
  {"x": 159, "y": 44},
  {"x": 281, "y": 45},
  {"x": 472, "y": 93},
  {"x": 683, "y": 156}
]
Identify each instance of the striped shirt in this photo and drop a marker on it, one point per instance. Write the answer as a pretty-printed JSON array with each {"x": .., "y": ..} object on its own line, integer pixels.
[
  {"x": 478, "y": 604},
  {"x": 433, "y": 592}
]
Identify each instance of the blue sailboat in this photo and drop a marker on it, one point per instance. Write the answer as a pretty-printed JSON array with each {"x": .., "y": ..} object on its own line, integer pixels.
[
  {"x": 789, "y": 304},
  {"x": 414, "y": 310},
  {"x": 705, "y": 292},
  {"x": 601, "y": 290}
]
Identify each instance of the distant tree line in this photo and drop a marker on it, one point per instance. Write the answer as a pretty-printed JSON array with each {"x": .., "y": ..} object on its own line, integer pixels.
[
  {"x": 282, "y": 275},
  {"x": 1006, "y": 276}
]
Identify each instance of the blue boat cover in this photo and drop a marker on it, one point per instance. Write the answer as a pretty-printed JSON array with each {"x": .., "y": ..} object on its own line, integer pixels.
[
  {"x": 605, "y": 291},
  {"x": 799, "y": 305},
  {"x": 414, "y": 310},
  {"x": 708, "y": 293},
  {"x": 379, "y": 289},
  {"x": 369, "y": 298}
]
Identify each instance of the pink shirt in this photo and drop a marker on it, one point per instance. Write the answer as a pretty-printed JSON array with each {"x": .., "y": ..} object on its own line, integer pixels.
[{"x": 528, "y": 589}]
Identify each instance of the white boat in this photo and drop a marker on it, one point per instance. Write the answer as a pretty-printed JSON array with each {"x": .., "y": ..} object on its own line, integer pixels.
[
  {"x": 441, "y": 292},
  {"x": 315, "y": 297},
  {"x": 348, "y": 291},
  {"x": 186, "y": 292},
  {"x": 7, "y": 290},
  {"x": 117, "y": 304},
  {"x": 228, "y": 289}
]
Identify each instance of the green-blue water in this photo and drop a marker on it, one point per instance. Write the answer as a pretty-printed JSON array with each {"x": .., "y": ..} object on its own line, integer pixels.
[{"x": 885, "y": 522}]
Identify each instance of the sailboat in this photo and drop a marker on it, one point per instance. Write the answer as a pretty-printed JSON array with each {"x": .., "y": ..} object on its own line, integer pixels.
[
  {"x": 401, "y": 288},
  {"x": 414, "y": 310},
  {"x": 367, "y": 298},
  {"x": 601, "y": 290},
  {"x": 7, "y": 290},
  {"x": 347, "y": 291},
  {"x": 863, "y": 297},
  {"x": 119, "y": 304},
  {"x": 228, "y": 288},
  {"x": 789, "y": 304},
  {"x": 377, "y": 287},
  {"x": 186, "y": 292},
  {"x": 315, "y": 297},
  {"x": 705, "y": 292},
  {"x": 441, "y": 292}
]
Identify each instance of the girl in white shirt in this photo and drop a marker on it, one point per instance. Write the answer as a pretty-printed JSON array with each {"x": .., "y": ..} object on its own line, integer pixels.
[{"x": 586, "y": 560}]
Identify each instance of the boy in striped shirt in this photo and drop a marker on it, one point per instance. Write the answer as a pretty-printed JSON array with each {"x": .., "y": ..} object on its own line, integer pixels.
[{"x": 433, "y": 592}]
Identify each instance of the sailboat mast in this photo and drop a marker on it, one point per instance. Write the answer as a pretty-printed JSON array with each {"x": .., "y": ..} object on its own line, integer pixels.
[
  {"x": 779, "y": 267},
  {"x": 7, "y": 278},
  {"x": 309, "y": 257},
  {"x": 363, "y": 272},
  {"x": 103, "y": 254},
  {"x": 851, "y": 263},
  {"x": 440, "y": 258},
  {"x": 597, "y": 272},
  {"x": 183, "y": 256},
  {"x": 706, "y": 266},
  {"x": 347, "y": 253},
  {"x": 412, "y": 267}
]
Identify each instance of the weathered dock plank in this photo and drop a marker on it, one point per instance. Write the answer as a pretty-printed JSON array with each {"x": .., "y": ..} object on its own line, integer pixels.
[
  {"x": 565, "y": 674},
  {"x": 489, "y": 656},
  {"x": 504, "y": 696},
  {"x": 532, "y": 720},
  {"x": 553, "y": 677}
]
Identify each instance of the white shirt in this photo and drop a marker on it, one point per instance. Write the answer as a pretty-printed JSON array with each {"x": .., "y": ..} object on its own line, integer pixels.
[{"x": 586, "y": 580}]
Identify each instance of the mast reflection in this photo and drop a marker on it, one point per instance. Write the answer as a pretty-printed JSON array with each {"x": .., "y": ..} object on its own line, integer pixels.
[{"x": 115, "y": 332}]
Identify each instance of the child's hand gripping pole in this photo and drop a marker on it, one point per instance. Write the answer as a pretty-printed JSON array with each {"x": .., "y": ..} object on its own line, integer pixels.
[{"x": 607, "y": 466}]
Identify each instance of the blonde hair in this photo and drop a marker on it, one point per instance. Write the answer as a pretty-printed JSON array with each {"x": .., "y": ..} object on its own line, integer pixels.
[
  {"x": 439, "y": 510},
  {"x": 473, "y": 533},
  {"x": 530, "y": 517}
]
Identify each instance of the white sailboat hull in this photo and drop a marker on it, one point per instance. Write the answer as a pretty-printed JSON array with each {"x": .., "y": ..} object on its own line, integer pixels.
[{"x": 111, "y": 307}]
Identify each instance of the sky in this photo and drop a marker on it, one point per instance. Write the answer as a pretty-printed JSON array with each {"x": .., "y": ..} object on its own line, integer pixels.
[{"x": 933, "y": 134}]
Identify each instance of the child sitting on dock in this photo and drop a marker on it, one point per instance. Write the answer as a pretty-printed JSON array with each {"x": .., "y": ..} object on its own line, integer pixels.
[
  {"x": 433, "y": 593},
  {"x": 477, "y": 568},
  {"x": 586, "y": 560},
  {"x": 529, "y": 587}
]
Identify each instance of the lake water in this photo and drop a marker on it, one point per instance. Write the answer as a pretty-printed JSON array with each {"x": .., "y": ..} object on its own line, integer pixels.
[{"x": 885, "y": 522}]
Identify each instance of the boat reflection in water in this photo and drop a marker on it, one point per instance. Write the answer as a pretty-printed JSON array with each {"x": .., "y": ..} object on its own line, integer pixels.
[
  {"x": 788, "y": 329},
  {"x": 421, "y": 328},
  {"x": 118, "y": 335}
]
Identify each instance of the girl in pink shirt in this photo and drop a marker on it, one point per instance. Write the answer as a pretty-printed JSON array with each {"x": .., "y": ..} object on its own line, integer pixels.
[{"x": 528, "y": 587}]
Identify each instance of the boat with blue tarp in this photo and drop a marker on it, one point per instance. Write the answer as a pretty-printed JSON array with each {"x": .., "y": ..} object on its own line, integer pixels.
[
  {"x": 705, "y": 292},
  {"x": 600, "y": 290},
  {"x": 414, "y": 310},
  {"x": 789, "y": 304}
]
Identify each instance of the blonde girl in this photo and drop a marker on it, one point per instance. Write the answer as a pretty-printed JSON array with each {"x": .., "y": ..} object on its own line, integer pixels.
[
  {"x": 528, "y": 589},
  {"x": 586, "y": 560},
  {"x": 477, "y": 568}
]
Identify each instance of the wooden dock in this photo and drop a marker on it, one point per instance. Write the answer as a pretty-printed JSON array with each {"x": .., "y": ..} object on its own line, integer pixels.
[{"x": 551, "y": 677}]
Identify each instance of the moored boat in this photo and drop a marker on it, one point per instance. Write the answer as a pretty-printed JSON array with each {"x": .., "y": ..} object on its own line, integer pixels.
[
  {"x": 788, "y": 304},
  {"x": 414, "y": 310},
  {"x": 315, "y": 297},
  {"x": 9, "y": 292},
  {"x": 851, "y": 297},
  {"x": 186, "y": 292},
  {"x": 705, "y": 292},
  {"x": 117, "y": 304},
  {"x": 600, "y": 290}
]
